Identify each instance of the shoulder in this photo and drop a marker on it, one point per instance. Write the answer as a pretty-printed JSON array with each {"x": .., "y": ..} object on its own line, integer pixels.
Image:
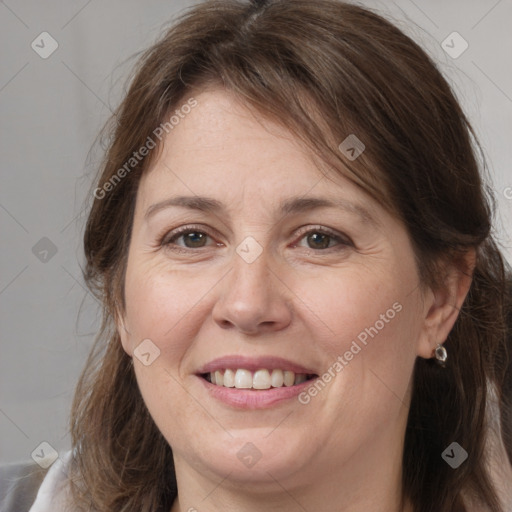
[
  {"x": 497, "y": 460},
  {"x": 25, "y": 487},
  {"x": 19, "y": 483},
  {"x": 54, "y": 493}
]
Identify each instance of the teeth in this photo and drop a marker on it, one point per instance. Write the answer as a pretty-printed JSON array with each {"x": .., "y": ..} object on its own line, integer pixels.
[
  {"x": 261, "y": 379},
  {"x": 299, "y": 378},
  {"x": 243, "y": 379},
  {"x": 229, "y": 379},
  {"x": 289, "y": 378},
  {"x": 277, "y": 379},
  {"x": 219, "y": 378}
]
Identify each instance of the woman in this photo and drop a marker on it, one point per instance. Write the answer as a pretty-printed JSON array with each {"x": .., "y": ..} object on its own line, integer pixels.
[{"x": 304, "y": 307}]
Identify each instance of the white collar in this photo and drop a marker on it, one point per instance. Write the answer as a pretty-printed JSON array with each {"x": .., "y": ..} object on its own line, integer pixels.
[{"x": 54, "y": 490}]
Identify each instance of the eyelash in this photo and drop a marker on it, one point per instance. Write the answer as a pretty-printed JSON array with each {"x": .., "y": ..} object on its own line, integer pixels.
[{"x": 167, "y": 239}]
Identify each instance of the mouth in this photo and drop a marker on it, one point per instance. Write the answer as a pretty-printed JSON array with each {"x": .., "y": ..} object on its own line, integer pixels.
[
  {"x": 254, "y": 383},
  {"x": 259, "y": 380}
]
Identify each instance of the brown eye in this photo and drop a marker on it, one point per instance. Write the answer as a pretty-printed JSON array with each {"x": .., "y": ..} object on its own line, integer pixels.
[
  {"x": 194, "y": 238},
  {"x": 320, "y": 239},
  {"x": 191, "y": 237}
]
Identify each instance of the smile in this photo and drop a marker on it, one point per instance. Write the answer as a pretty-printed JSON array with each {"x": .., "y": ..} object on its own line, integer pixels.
[
  {"x": 254, "y": 382},
  {"x": 258, "y": 380}
]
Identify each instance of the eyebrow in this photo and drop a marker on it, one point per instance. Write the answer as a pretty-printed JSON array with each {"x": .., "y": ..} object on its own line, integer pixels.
[{"x": 289, "y": 206}]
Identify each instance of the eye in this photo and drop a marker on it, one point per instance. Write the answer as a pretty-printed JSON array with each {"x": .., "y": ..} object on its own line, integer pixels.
[
  {"x": 193, "y": 238},
  {"x": 320, "y": 239}
]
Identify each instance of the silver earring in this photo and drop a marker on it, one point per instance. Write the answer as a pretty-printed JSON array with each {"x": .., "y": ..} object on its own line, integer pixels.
[{"x": 441, "y": 355}]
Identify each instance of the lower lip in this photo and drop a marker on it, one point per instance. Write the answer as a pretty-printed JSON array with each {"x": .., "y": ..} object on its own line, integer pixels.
[{"x": 254, "y": 399}]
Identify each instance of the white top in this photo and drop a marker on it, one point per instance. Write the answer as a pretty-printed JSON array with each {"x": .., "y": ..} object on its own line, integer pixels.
[{"x": 54, "y": 491}]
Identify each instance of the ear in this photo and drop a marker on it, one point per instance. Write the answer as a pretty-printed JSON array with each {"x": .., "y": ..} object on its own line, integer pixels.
[{"x": 442, "y": 306}]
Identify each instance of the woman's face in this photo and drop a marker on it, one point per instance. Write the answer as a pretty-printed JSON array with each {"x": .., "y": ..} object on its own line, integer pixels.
[{"x": 267, "y": 285}]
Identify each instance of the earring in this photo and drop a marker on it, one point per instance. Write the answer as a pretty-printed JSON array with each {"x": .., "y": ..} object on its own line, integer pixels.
[{"x": 441, "y": 355}]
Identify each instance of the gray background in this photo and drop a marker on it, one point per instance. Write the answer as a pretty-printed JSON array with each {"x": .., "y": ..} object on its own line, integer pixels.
[{"x": 51, "y": 111}]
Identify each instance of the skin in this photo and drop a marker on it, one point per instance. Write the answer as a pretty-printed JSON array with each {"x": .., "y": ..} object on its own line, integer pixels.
[{"x": 340, "y": 452}]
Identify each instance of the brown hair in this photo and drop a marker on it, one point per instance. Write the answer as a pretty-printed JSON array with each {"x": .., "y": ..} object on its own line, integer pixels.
[{"x": 324, "y": 69}]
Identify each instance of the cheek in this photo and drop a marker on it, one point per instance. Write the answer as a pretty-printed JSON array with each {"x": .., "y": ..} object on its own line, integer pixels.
[
  {"x": 357, "y": 305},
  {"x": 167, "y": 307},
  {"x": 369, "y": 356},
  {"x": 367, "y": 326},
  {"x": 161, "y": 307}
]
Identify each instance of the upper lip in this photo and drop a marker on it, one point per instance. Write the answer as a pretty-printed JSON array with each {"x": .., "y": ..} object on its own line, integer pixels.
[{"x": 253, "y": 364}]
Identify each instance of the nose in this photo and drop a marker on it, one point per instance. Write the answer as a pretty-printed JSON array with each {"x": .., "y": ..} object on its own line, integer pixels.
[{"x": 253, "y": 298}]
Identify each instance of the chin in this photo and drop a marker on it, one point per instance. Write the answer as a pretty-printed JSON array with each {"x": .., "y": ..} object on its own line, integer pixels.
[{"x": 250, "y": 457}]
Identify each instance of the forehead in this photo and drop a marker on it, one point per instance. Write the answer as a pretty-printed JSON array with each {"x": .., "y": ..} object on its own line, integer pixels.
[
  {"x": 222, "y": 147},
  {"x": 223, "y": 133}
]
